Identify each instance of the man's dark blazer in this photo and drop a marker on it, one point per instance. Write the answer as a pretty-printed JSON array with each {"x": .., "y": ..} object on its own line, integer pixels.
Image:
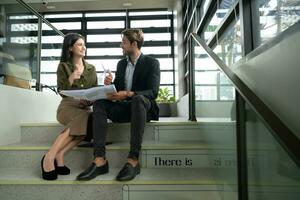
[{"x": 146, "y": 80}]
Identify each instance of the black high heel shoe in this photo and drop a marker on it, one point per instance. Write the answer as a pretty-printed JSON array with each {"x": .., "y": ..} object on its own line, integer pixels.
[
  {"x": 64, "y": 170},
  {"x": 51, "y": 175}
]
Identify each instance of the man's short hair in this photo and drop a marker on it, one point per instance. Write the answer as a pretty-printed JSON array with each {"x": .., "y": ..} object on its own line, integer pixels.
[{"x": 134, "y": 35}]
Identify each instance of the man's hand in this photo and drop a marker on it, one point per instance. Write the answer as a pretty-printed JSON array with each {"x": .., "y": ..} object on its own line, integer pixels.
[
  {"x": 119, "y": 96},
  {"x": 108, "y": 79}
]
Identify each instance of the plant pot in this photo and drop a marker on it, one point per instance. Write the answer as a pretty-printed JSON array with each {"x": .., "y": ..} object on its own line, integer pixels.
[{"x": 164, "y": 110}]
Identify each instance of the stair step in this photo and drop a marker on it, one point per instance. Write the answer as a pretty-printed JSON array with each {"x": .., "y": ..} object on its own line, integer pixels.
[
  {"x": 163, "y": 184},
  {"x": 204, "y": 176},
  {"x": 148, "y": 176},
  {"x": 153, "y": 155}
]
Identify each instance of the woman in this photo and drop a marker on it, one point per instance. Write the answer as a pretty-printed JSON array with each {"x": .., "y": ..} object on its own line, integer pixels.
[{"x": 72, "y": 73}]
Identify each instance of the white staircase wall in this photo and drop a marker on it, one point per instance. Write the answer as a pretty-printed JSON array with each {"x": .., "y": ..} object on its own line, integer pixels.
[
  {"x": 20, "y": 105},
  {"x": 206, "y": 109}
]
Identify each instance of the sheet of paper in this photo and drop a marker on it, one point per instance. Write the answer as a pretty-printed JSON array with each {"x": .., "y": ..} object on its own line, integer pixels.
[{"x": 91, "y": 94}]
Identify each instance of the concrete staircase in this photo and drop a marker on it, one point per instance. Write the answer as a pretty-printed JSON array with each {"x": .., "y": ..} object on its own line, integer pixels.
[{"x": 179, "y": 159}]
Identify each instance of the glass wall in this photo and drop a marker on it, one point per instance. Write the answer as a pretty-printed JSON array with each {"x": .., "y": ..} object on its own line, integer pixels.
[
  {"x": 272, "y": 175},
  {"x": 18, "y": 46},
  {"x": 20, "y": 50}
]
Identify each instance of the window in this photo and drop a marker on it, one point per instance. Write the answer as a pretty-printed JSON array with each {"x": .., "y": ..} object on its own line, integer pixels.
[
  {"x": 210, "y": 83},
  {"x": 157, "y": 26},
  {"x": 150, "y": 23},
  {"x": 229, "y": 46},
  {"x": 103, "y": 37},
  {"x": 275, "y": 17},
  {"x": 63, "y": 25},
  {"x": 217, "y": 18},
  {"x": 51, "y": 49},
  {"x": 105, "y": 24}
]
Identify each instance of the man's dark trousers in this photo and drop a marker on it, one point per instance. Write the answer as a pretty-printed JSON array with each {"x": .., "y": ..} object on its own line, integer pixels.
[{"x": 133, "y": 110}]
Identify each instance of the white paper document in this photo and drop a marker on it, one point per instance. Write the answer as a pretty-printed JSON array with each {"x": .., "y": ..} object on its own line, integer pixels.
[{"x": 91, "y": 94}]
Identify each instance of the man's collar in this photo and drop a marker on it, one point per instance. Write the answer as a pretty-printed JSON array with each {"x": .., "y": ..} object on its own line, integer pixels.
[{"x": 136, "y": 60}]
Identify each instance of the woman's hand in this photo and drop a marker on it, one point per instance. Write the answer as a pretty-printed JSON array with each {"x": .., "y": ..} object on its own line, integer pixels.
[{"x": 75, "y": 75}]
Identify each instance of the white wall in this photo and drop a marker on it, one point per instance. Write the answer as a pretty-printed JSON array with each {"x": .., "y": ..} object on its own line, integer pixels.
[
  {"x": 206, "y": 109},
  {"x": 20, "y": 105},
  {"x": 179, "y": 50}
]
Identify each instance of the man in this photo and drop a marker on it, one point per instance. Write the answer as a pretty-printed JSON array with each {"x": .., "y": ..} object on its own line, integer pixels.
[{"x": 137, "y": 82}]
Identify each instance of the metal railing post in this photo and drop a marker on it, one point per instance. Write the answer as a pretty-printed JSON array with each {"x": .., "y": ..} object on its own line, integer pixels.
[
  {"x": 192, "y": 95},
  {"x": 241, "y": 147}
]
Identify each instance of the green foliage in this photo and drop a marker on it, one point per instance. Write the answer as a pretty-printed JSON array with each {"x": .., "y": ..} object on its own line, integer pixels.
[{"x": 164, "y": 96}]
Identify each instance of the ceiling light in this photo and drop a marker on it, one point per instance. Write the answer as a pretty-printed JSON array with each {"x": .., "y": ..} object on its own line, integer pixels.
[
  {"x": 51, "y": 7},
  {"x": 127, "y": 4}
]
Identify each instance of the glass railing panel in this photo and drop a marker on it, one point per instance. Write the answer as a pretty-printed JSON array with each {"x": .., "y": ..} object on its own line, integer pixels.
[
  {"x": 272, "y": 175},
  {"x": 18, "y": 46},
  {"x": 210, "y": 87}
]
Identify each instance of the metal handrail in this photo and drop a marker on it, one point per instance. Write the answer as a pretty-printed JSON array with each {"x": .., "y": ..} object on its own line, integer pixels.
[
  {"x": 289, "y": 141},
  {"x": 29, "y": 8}
]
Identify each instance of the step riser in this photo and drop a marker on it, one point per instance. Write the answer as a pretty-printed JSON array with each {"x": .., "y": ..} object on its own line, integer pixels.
[
  {"x": 178, "y": 192},
  {"x": 80, "y": 159},
  {"x": 49, "y": 134},
  {"x": 121, "y": 133},
  {"x": 206, "y": 133},
  {"x": 137, "y": 192}
]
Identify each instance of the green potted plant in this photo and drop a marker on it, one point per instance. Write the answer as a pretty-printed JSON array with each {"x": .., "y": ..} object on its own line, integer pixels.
[{"x": 164, "y": 100}]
